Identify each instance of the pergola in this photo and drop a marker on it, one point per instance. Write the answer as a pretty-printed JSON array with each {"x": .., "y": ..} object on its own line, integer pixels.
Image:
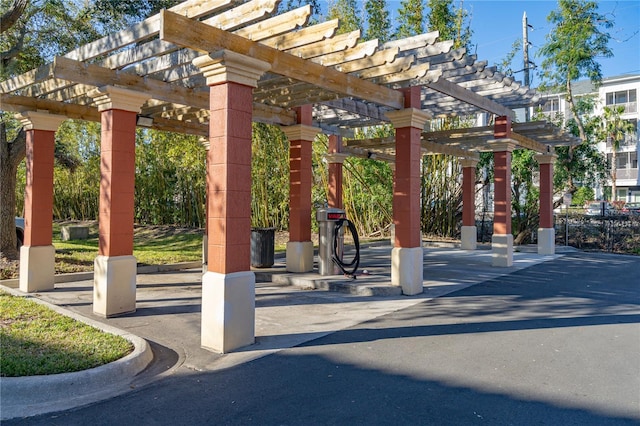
[{"x": 210, "y": 68}]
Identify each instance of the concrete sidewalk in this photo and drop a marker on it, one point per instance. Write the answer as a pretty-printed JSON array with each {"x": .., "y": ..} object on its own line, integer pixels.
[{"x": 168, "y": 309}]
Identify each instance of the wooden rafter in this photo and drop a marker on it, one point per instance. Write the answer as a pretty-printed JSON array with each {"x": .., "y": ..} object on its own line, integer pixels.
[
  {"x": 195, "y": 35},
  {"x": 470, "y": 97}
]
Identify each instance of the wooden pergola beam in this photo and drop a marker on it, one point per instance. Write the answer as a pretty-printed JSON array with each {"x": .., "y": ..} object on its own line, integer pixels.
[
  {"x": 528, "y": 143},
  {"x": 83, "y": 112},
  {"x": 465, "y": 95},
  {"x": 429, "y": 147},
  {"x": 95, "y": 75},
  {"x": 198, "y": 36}
]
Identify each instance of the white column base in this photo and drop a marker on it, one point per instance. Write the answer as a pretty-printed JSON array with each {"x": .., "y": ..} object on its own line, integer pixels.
[
  {"x": 299, "y": 256},
  {"x": 406, "y": 269},
  {"x": 502, "y": 250},
  {"x": 37, "y": 268},
  {"x": 228, "y": 311},
  {"x": 468, "y": 238},
  {"x": 546, "y": 241},
  {"x": 114, "y": 285}
]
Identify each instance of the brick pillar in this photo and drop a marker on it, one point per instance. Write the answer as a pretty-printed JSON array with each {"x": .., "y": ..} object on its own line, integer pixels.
[
  {"x": 228, "y": 286},
  {"x": 299, "y": 246},
  {"x": 546, "y": 231},
  {"x": 502, "y": 239},
  {"x": 335, "y": 158},
  {"x": 37, "y": 254},
  {"x": 407, "y": 256},
  {"x": 114, "y": 276},
  {"x": 468, "y": 234}
]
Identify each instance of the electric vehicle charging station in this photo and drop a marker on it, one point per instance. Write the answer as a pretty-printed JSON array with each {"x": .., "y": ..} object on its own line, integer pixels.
[
  {"x": 331, "y": 242},
  {"x": 327, "y": 219}
]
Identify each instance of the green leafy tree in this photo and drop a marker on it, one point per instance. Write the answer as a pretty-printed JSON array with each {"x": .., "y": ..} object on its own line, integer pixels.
[
  {"x": 170, "y": 179},
  {"x": 411, "y": 18},
  {"x": 378, "y": 23},
  {"x": 524, "y": 195},
  {"x": 581, "y": 164},
  {"x": 613, "y": 128},
  {"x": 451, "y": 22},
  {"x": 578, "y": 38},
  {"x": 583, "y": 195},
  {"x": 32, "y": 33},
  {"x": 269, "y": 177},
  {"x": 347, "y": 12},
  {"x": 574, "y": 44}
]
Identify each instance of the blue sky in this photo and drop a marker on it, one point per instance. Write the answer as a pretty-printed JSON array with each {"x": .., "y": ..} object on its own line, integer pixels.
[{"x": 496, "y": 24}]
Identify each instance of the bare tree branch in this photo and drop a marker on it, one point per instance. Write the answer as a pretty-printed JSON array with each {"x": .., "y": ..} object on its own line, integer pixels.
[{"x": 11, "y": 16}]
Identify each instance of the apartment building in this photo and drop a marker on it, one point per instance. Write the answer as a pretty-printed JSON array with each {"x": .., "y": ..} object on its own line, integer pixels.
[{"x": 621, "y": 90}]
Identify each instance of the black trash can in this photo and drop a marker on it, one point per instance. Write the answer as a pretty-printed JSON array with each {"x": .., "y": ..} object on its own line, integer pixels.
[{"x": 262, "y": 247}]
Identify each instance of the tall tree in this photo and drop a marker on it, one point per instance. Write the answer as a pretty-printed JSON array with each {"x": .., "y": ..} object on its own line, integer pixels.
[
  {"x": 411, "y": 17},
  {"x": 451, "y": 22},
  {"x": 574, "y": 44},
  {"x": 613, "y": 129},
  {"x": 32, "y": 33},
  {"x": 378, "y": 23},
  {"x": 347, "y": 12},
  {"x": 578, "y": 38}
]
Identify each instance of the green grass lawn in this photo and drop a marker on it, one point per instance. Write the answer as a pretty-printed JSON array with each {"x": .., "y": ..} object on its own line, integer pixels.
[
  {"x": 153, "y": 245},
  {"x": 36, "y": 340}
]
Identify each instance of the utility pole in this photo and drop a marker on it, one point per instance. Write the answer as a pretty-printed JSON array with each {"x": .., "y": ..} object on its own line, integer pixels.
[{"x": 525, "y": 51}]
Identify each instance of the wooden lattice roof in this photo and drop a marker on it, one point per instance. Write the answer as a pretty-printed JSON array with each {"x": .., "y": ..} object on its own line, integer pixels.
[{"x": 350, "y": 83}]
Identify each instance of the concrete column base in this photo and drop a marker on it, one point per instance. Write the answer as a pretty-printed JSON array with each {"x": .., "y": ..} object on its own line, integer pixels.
[
  {"x": 228, "y": 311},
  {"x": 299, "y": 256},
  {"x": 406, "y": 269},
  {"x": 469, "y": 238},
  {"x": 546, "y": 241},
  {"x": 114, "y": 285},
  {"x": 37, "y": 268},
  {"x": 502, "y": 250}
]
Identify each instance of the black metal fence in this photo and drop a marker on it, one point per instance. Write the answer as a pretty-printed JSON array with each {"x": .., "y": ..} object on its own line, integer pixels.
[
  {"x": 611, "y": 233},
  {"x": 614, "y": 233}
]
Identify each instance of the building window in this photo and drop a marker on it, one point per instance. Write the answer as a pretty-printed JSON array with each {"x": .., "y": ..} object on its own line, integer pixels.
[
  {"x": 627, "y": 98},
  {"x": 551, "y": 105},
  {"x": 633, "y": 159}
]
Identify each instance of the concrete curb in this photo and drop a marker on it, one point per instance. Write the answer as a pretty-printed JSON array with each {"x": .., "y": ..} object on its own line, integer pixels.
[{"x": 33, "y": 395}]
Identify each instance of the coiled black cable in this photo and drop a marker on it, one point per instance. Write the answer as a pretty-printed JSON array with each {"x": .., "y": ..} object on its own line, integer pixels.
[{"x": 356, "y": 258}]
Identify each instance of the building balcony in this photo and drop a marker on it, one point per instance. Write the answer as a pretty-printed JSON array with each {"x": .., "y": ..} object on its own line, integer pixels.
[
  {"x": 630, "y": 107},
  {"x": 627, "y": 174},
  {"x": 630, "y": 141}
]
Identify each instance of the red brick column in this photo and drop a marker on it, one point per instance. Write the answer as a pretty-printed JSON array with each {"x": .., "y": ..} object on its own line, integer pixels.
[
  {"x": 468, "y": 237},
  {"x": 228, "y": 286},
  {"x": 37, "y": 255},
  {"x": 301, "y": 135},
  {"x": 335, "y": 159},
  {"x": 115, "y": 266},
  {"x": 502, "y": 240},
  {"x": 546, "y": 231},
  {"x": 407, "y": 257}
]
